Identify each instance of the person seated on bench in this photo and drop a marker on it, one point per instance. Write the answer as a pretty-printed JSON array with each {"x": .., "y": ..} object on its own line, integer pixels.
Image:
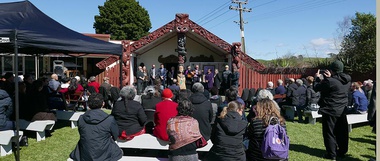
[
  {"x": 150, "y": 98},
  {"x": 129, "y": 114},
  {"x": 6, "y": 111},
  {"x": 227, "y": 134},
  {"x": 183, "y": 131},
  {"x": 98, "y": 132},
  {"x": 37, "y": 99},
  {"x": 164, "y": 110},
  {"x": 312, "y": 97},
  {"x": 359, "y": 100},
  {"x": 262, "y": 94}
]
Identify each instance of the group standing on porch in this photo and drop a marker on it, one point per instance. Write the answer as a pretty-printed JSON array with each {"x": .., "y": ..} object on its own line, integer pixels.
[{"x": 179, "y": 77}]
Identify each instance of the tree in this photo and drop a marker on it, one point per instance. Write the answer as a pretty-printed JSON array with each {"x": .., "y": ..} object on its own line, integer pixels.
[
  {"x": 123, "y": 19},
  {"x": 358, "y": 48}
]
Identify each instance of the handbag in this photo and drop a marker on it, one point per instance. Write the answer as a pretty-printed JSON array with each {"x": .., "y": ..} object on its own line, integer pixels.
[{"x": 201, "y": 142}]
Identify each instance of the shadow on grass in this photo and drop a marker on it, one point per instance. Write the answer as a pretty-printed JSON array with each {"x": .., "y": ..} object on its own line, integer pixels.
[
  {"x": 370, "y": 136},
  {"x": 317, "y": 152},
  {"x": 367, "y": 156},
  {"x": 307, "y": 150},
  {"x": 363, "y": 140}
]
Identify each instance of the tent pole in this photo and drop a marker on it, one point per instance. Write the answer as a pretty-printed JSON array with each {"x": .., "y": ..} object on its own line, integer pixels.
[
  {"x": 16, "y": 96},
  {"x": 36, "y": 66},
  {"x": 121, "y": 70}
]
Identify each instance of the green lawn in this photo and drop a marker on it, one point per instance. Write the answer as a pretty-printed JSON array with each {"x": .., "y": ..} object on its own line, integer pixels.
[{"x": 306, "y": 144}]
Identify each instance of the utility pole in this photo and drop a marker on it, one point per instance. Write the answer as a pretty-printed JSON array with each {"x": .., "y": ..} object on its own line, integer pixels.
[{"x": 241, "y": 23}]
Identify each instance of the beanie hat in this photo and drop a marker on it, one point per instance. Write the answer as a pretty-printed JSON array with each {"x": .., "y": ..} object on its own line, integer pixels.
[
  {"x": 167, "y": 93},
  {"x": 337, "y": 66}
]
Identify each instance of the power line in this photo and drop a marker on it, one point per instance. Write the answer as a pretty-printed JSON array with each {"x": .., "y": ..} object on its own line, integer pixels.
[
  {"x": 237, "y": 15},
  {"x": 294, "y": 9},
  {"x": 215, "y": 18},
  {"x": 241, "y": 22},
  {"x": 220, "y": 8}
]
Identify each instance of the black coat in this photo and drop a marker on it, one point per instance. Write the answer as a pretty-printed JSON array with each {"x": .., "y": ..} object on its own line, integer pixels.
[
  {"x": 299, "y": 96},
  {"x": 131, "y": 118},
  {"x": 149, "y": 102},
  {"x": 227, "y": 139},
  {"x": 203, "y": 113},
  {"x": 98, "y": 132},
  {"x": 217, "y": 80},
  {"x": 334, "y": 94}
]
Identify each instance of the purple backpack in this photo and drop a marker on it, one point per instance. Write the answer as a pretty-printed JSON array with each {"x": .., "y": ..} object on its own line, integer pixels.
[{"x": 275, "y": 143}]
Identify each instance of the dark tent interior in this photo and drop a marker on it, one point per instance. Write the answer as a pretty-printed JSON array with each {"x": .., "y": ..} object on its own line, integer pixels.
[{"x": 25, "y": 29}]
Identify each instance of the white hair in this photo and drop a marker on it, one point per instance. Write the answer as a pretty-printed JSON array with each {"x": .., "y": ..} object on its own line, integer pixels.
[
  {"x": 299, "y": 81},
  {"x": 280, "y": 82},
  {"x": 264, "y": 94},
  {"x": 270, "y": 84}
]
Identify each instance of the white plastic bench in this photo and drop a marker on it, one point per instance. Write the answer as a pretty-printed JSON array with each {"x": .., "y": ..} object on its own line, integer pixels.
[
  {"x": 356, "y": 118},
  {"x": 6, "y": 139},
  {"x": 312, "y": 115},
  {"x": 38, "y": 126},
  {"x": 69, "y": 116},
  {"x": 133, "y": 158},
  {"x": 148, "y": 141}
]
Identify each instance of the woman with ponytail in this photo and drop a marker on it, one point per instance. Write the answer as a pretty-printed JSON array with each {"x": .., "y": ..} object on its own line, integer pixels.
[
  {"x": 227, "y": 135},
  {"x": 129, "y": 114},
  {"x": 265, "y": 108}
]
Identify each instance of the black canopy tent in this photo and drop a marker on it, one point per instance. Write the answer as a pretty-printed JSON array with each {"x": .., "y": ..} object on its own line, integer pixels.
[{"x": 25, "y": 29}]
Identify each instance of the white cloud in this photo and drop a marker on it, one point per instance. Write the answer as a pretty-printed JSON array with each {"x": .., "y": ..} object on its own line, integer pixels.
[
  {"x": 321, "y": 42},
  {"x": 280, "y": 45}
]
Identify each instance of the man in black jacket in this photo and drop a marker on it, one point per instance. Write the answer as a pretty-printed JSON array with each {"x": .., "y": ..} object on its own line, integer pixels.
[
  {"x": 334, "y": 90},
  {"x": 203, "y": 112},
  {"x": 98, "y": 132}
]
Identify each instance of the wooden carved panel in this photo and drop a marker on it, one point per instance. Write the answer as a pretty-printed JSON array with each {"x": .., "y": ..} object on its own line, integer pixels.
[
  {"x": 168, "y": 59},
  {"x": 202, "y": 58}
]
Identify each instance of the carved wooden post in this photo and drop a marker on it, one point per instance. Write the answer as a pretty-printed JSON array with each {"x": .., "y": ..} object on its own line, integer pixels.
[{"x": 181, "y": 26}]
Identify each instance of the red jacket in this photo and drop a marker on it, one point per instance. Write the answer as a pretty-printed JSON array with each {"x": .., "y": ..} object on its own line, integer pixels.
[
  {"x": 95, "y": 85},
  {"x": 164, "y": 110}
]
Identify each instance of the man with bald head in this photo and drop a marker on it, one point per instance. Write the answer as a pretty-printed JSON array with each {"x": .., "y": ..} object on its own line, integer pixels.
[{"x": 54, "y": 84}]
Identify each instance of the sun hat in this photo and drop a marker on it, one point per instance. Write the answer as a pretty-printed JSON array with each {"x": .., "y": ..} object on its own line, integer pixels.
[{"x": 167, "y": 93}]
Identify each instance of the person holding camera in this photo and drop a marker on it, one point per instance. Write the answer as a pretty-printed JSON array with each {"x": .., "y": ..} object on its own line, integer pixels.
[{"x": 334, "y": 88}]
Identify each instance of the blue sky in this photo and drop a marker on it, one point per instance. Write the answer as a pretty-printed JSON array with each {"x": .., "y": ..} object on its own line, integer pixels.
[{"x": 275, "y": 27}]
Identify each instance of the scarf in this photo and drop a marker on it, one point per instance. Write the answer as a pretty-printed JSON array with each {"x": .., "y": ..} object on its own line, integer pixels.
[{"x": 184, "y": 130}]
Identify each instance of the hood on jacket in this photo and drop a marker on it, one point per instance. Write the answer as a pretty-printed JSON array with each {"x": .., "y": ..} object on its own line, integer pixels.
[
  {"x": 198, "y": 98},
  {"x": 232, "y": 123},
  {"x": 343, "y": 78},
  {"x": 3, "y": 94},
  {"x": 95, "y": 116}
]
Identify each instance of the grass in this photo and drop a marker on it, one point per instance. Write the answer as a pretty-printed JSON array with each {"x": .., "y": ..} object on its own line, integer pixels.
[{"x": 306, "y": 144}]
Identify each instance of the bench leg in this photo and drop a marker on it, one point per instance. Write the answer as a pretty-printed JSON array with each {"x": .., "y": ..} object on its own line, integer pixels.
[
  {"x": 289, "y": 112},
  {"x": 74, "y": 124},
  {"x": 40, "y": 136},
  {"x": 312, "y": 120},
  {"x": 349, "y": 128},
  {"x": 6, "y": 149}
]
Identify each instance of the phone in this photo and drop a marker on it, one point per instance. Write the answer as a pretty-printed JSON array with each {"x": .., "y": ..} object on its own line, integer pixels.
[{"x": 321, "y": 71}]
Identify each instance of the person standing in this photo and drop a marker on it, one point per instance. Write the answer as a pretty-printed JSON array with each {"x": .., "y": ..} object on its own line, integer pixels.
[
  {"x": 197, "y": 74},
  {"x": 209, "y": 79},
  {"x": 146, "y": 77},
  {"x": 189, "y": 77},
  {"x": 93, "y": 83},
  {"x": 217, "y": 79},
  {"x": 163, "y": 75},
  {"x": 153, "y": 74},
  {"x": 234, "y": 78},
  {"x": 98, "y": 132},
  {"x": 171, "y": 76},
  {"x": 140, "y": 80},
  {"x": 225, "y": 80},
  {"x": 334, "y": 90}
]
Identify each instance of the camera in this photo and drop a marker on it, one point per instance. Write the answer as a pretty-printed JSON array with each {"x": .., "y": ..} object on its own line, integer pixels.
[{"x": 321, "y": 71}]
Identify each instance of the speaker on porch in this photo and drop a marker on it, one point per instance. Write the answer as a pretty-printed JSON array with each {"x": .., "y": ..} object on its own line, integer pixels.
[{"x": 58, "y": 68}]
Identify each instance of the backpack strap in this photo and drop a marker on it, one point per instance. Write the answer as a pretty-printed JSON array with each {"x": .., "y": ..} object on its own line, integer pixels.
[{"x": 273, "y": 117}]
